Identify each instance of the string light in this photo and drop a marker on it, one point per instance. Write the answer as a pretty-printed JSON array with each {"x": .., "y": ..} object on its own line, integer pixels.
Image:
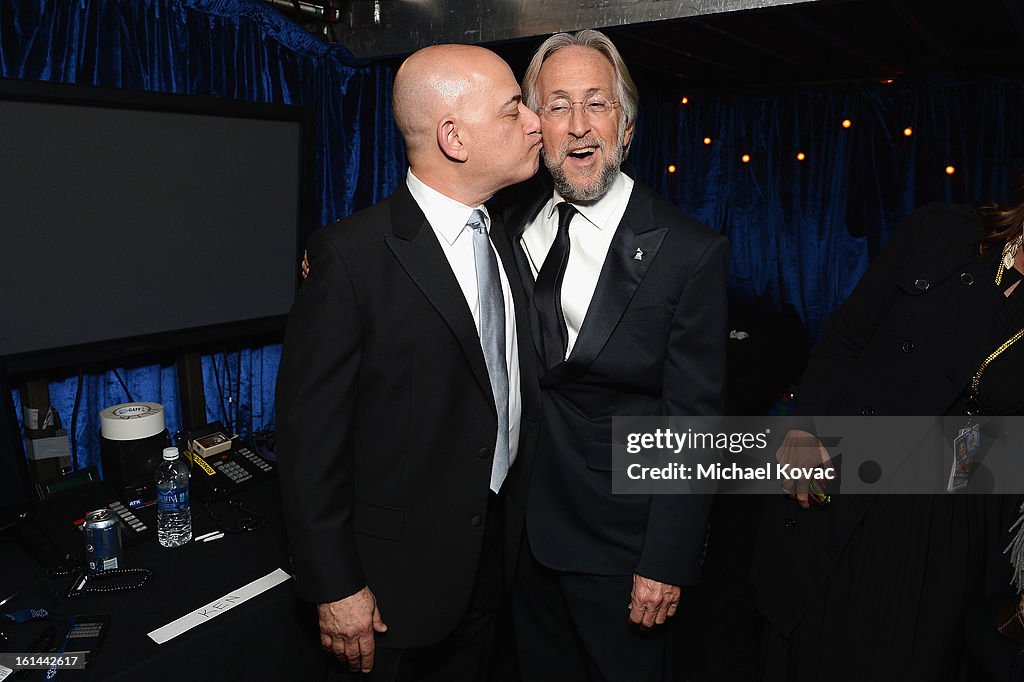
[
  {"x": 950, "y": 169},
  {"x": 908, "y": 131},
  {"x": 847, "y": 123},
  {"x": 686, "y": 100},
  {"x": 745, "y": 158},
  {"x": 707, "y": 140},
  {"x": 800, "y": 156},
  {"x": 672, "y": 168}
]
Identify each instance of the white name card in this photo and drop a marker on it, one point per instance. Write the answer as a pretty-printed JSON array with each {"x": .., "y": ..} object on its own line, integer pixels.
[{"x": 219, "y": 606}]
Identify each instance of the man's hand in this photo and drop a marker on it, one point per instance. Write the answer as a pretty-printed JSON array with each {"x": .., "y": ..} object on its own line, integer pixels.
[
  {"x": 801, "y": 449},
  {"x": 652, "y": 602},
  {"x": 347, "y": 627},
  {"x": 304, "y": 265}
]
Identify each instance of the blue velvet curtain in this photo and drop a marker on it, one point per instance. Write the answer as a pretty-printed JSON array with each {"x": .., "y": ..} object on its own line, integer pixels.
[
  {"x": 802, "y": 232},
  {"x": 235, "y": 49}
]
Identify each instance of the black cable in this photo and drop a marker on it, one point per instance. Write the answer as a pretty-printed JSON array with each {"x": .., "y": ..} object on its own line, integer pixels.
[
  {"x": 248, "y": 522},
  {"x": 220, "y": 389},
  {"x": 238, "y": 392},
  {"x": 124, "y": 386},
  {"x": 227, "y": 376},
  {"x": 110, "y": 580},
  {"x": 74, "y": 423}
]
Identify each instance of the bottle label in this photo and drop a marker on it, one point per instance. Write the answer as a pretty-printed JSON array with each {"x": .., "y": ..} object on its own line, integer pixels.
[{"x": 172, "y": 500}]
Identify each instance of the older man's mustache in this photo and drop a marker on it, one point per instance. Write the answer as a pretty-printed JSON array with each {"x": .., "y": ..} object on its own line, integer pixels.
[{"x": 583, "y": 146}]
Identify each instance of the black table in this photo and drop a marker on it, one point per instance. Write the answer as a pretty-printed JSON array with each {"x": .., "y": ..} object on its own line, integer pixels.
[{"x": 272, "y": 636}]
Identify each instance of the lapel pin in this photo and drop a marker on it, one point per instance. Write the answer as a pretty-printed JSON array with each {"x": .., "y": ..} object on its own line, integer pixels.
[{"x": 639, "y": 255}]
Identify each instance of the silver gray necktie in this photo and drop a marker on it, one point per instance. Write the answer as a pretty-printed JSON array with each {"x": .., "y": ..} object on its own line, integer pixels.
[{"x": 492, "y": 338}]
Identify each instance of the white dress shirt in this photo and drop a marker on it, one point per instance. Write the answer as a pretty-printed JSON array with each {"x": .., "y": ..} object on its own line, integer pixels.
[
  {"x": 590, "y": 235},
  {"x": 448, "y": 219}
]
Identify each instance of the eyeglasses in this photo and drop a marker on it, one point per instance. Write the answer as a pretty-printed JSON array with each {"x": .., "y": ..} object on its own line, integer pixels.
[{"x": 597, "y": 107}]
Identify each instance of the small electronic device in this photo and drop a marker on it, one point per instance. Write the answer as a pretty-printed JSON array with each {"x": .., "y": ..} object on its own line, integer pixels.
[
  {"x": 210, "y": 444},
  {"x": 228, "y": 470},
  {"x": 55, "y": 528},
  {"x": 86, "y": 636}
]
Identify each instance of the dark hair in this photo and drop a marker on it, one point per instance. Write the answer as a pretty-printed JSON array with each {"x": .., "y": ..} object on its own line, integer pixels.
[{"x": 1004, "y": 222}]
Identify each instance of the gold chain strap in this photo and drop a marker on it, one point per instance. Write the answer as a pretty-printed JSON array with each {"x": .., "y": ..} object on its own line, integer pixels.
[
  {"x": 995, "y": 354},
  {"x": 1005, "y": 263}
]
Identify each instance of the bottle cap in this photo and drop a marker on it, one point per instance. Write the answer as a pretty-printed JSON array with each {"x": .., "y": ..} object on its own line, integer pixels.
[{"x": 170, "y": 453}]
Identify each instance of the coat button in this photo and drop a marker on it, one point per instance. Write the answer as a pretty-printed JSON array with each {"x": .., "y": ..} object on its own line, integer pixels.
[
  {"x": 868, "y": 411},
  {"x": 907, "y": 347},
  {"x": 967, "y": 279},
  {"x": 483, "y": 453},
  {"x": 476, "y": 521},
  {"x": 791, "y": 524},
  {"x": 921, "y": 284}
]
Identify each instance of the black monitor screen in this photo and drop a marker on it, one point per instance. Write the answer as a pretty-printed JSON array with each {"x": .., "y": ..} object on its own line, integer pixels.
[{"x": 128, "y": 214}]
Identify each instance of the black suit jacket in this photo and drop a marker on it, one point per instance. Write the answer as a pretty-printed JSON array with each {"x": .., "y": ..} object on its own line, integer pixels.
[
  {"x": 652, "y": 344},
  {"x": 906, "y": 342},
  {"x": 386, "y": 423}
]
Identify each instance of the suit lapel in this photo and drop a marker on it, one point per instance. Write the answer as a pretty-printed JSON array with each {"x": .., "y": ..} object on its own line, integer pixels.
[
  {"x": 417, "y": 250},
  {"x": 520, "y": 298},
  {"x": 620, "y": 276},
  {"x": 518, "y": 219}
]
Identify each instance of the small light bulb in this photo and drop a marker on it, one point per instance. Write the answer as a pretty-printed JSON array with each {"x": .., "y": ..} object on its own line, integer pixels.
[
  {"x": 707, "y": 140},
  {"x": 950, "y": 170},
  {"x": 672, "y": 168},
  {"x": 908, "y": 131},
  {"x": 745, "y": 158},
  {"x": 686, "y": 100},
  {"x": 847, "y": 123},
  {"x": 800, "y": 156}
]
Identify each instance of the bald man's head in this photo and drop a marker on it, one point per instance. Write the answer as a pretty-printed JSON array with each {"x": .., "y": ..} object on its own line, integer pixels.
[
  {"x": 435, "y": 81},
  {"x": 466, "y": 130}
]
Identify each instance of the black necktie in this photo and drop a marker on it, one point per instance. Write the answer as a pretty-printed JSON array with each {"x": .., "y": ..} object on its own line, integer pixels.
[{"x": 547, "y": 293}]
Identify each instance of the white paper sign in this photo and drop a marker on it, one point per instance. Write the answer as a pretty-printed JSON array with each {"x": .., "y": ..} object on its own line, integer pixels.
[{"x": 218, "y": 606}]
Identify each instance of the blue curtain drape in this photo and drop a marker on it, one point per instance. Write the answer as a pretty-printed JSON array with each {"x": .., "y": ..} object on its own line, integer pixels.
[
  {"x": 235, "y": 49},
  {"x": 802, "y": 232}
]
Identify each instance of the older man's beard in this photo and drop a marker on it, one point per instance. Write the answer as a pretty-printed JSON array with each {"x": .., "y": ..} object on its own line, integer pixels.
[{"x": 597, "y": 183}]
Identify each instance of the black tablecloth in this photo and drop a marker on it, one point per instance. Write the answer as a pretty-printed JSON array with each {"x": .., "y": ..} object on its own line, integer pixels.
[{"x": 272, "y": 636}]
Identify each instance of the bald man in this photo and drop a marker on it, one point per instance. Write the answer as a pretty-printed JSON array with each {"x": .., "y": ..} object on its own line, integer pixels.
[{"x": 404, "y": 431}]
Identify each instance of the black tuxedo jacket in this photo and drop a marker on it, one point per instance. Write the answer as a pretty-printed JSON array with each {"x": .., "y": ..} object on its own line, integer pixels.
[
  {"x": 386, "y": 423},
  {"x": 905, "y": 343},
  {"x": 652, "y": 344}
]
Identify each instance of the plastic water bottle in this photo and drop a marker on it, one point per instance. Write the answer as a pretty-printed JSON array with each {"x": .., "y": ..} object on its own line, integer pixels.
[{"x": 173, "y": 515}]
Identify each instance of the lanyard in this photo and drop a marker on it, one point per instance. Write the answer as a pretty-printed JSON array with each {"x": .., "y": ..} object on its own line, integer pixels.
[{"x": 25, "y": 615}]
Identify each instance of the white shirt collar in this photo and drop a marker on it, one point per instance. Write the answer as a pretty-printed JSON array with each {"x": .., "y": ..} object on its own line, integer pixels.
[
  {"x": 602, "y": 211},
  {"x": 447, "y": 216}
]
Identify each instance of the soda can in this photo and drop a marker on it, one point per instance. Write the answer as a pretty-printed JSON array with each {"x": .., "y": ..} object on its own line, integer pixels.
[{"x": 102, "y": 541}]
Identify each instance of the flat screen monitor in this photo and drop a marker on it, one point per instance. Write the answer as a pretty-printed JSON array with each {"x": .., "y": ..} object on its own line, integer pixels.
[{"x": 135, "y": 221}]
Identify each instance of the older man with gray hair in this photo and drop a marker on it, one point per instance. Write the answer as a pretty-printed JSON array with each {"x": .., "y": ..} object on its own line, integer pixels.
[{"x": 629, "y": 318}]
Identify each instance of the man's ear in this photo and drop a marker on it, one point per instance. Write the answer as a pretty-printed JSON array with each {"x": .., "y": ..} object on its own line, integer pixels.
[
  {"x": 448, "y": 140},
  {"x": 628, "y": 137}
]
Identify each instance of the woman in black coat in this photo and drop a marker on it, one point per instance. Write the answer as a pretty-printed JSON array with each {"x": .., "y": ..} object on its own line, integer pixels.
[{"x": 877, "y": 587}]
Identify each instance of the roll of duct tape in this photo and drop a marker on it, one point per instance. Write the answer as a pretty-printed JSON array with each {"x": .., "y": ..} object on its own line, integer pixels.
[{"x": 132, "y": 421}]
